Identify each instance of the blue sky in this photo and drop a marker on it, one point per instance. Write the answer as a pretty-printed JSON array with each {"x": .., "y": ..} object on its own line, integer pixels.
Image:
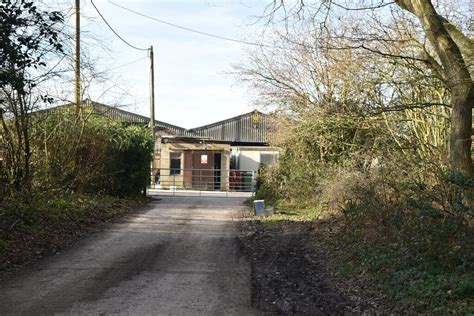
[{"x": 191, "y": 84}]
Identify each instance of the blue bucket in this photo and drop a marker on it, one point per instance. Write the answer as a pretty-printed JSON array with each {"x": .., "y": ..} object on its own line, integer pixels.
[{"x": 259, "y": 207}]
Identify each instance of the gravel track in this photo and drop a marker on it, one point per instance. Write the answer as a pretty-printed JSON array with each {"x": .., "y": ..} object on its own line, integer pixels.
[{"x": 179, "y": 257}]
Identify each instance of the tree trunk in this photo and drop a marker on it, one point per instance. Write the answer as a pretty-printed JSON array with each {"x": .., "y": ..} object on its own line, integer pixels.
[
  {"x": 461, "y": 129},
  {"x": 459, "y": 82}
]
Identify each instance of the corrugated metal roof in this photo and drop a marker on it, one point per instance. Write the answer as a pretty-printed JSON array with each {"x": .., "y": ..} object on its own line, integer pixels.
[
  {"x": 253, "y": 127},
  {"x": 131, "y": 118}
]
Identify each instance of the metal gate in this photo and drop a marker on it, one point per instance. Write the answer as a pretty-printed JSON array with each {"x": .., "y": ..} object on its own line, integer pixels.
[{"x": 202, "y": 182}]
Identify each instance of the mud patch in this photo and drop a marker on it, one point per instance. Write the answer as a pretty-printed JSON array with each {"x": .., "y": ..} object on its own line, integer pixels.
[{"x": 290, "y": 275}]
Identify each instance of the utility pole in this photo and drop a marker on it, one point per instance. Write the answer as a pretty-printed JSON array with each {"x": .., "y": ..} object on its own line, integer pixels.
[
  {"x": 77, "y": 58},
  {"x": 152, "y": 92},
  {"x": 152, "y": 110}
]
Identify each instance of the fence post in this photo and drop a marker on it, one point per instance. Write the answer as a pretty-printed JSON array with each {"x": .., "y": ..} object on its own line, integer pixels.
[
  {"x": 200, "y": 182},
  {"x": 253, "y": 183}
]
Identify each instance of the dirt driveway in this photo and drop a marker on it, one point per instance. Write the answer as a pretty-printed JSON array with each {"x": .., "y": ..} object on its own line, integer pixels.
[{"x": 179, "y": 257}]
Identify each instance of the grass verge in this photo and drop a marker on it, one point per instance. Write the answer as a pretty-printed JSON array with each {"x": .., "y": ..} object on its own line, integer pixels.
[
  {"x": 409, "y": 281},
  {"x": 413, "y": 283},
  {"x": 30, "y": 229}
]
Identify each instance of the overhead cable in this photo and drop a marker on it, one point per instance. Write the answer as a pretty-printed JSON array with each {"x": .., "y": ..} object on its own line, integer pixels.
[
  {"x": 112, "y": 29},
  {"x": 129, "y": 63},
  {"x": 193, "y": 30}
]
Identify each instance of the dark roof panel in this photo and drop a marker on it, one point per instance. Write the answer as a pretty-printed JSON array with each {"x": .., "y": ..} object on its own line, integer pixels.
[
  {"x": 252, "y": 127},
  {"x": 129, "y": 117}
]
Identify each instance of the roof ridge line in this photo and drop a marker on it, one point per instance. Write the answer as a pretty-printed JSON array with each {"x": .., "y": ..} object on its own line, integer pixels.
[{"x": 226, "y": 120}]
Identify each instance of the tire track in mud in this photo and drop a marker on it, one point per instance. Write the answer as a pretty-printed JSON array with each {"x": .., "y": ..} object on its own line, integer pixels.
[{"x": 136, "y": 262}]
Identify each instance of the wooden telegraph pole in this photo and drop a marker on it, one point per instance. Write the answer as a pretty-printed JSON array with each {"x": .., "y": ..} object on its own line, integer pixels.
[
  {"x": 152, "y": 110},
  {"x": 77, "y": 58},
  {"x": 152, "y": 91}
]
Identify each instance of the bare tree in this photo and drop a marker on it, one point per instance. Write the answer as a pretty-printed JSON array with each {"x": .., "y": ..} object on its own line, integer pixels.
[
  {"x": 449, "y": 42},
  {"x": 447, "y": 50}
]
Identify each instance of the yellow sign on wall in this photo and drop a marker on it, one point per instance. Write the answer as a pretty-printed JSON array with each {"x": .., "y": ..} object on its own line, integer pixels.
[{"x": 256, "y": 117}]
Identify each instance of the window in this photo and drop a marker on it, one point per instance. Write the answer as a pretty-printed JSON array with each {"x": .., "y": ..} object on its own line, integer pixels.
[
  {"x": 175, "y": 164},
  {"x": 268, "y": 159}
]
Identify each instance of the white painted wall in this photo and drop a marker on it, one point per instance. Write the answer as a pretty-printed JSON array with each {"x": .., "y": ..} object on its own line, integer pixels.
[
  {"x": 249, "y": 157},
  {"x": 249, "y": 160}
]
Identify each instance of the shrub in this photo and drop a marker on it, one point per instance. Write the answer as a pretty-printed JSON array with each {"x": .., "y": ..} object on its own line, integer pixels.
[
  {"x": 90, "y": 154},
  {"x": 129, "y": 166},
  {"x": 394, "y": 205}
]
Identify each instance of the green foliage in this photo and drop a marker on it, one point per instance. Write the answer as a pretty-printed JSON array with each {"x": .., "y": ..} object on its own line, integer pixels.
[
  {"x": 365, "y": 141},
  {"x": 55, "y": 166},
  {"x": 319, "y": 142},
  {"x": 268, "y": 184},
  {"x": 385, "y": 186},
  {"x": 415, "y": 283},
  {"x": 91, "y": 154},
  {"x": 426, "y": 221},
  {"x": 54, "y": 207},
  {"x": 82, "y": 166},
  {"x": 414, "y": 238},
  {"x": 131, "y": 152},
  {"x": 27, "y": 36},
  {"x": 33, "y": 226}
]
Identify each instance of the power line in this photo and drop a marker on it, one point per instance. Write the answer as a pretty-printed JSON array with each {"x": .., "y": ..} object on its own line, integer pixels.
[
  {"x": 111, "y": 28},
  {"x": 193, "y": 30},
  {"x": 129, "y": 63}
]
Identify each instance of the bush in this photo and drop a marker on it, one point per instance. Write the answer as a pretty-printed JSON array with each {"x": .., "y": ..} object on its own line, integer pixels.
[
  {"x": 129, "y": 167},
  {"x": 428, "y": 221},
  {"x": 392, "y": 201},
  {"x": 82, "y": 166},
  {"x": 90, "y": 154}
]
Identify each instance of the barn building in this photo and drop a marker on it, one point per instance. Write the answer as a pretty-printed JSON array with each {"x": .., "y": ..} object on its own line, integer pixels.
[{"x": 224, "y": 155}]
